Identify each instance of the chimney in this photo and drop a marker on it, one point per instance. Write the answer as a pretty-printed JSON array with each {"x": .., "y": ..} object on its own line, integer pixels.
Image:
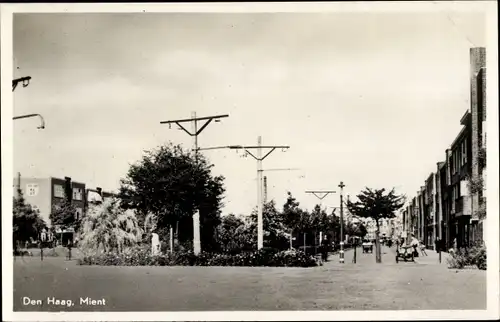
[{"x": 99, "y": 191}]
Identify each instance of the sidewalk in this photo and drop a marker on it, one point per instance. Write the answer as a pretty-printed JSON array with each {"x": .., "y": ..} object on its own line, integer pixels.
[{"x": 432, "y": 258}]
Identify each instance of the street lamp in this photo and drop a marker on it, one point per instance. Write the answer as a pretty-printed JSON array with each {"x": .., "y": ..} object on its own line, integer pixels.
[
  {"x": 42, "y": 121},
  {"x": 341, "y": 186},
  {"x": 24, "y": 80}
]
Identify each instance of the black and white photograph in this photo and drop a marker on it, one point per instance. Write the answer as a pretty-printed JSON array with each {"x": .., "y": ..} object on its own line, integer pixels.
[{"x": 250, "y": 161}]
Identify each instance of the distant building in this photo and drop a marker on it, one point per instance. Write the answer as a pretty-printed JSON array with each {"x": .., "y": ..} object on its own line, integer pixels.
[{"x": 44, "y": 194}]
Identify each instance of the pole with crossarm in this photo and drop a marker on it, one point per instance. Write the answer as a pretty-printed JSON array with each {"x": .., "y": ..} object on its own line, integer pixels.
[
  {"x": 194, "y": 134},
  {"x": 259, "y": 157},
  {"x": 260, "y": 206},
  {"x": 320, "y": 194}
]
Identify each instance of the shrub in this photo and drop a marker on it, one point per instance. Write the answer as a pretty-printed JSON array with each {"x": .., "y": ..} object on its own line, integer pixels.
[
  {"x": 467, "y": 257},
  {"x": 141, "y": 256}
]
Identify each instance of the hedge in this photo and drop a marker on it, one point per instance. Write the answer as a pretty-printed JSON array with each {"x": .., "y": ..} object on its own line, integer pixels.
[
  {"x": 143, "y": 257},
  {"x": 468, "y": 257}
]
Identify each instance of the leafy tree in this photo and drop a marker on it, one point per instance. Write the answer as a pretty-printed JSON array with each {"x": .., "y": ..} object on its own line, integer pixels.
[
  {"x": 376, "y": 204},
  {"x": 234, "y": 236},
  {"x": 275, "y": 234},
  {"x": 64, "y": 213},
  {"x": 108, "y": 227},
  {"x": 356, "y": 229},
  {"x": 172, "y": 184},
  {"x": 291, "y": 213},
  {"x": 27, "y": 222}
]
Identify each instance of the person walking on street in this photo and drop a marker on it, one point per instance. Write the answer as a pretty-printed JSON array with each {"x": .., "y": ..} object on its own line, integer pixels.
[
  {"x": 414, "y": 243},
  {"x": 324, "y": 249}
]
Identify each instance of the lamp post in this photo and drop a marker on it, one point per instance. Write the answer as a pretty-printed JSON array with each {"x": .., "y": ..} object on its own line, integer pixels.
[
  {"x": 341, "y": 186},
  {"x": 24, "y": 80},
  {"x": 42, "y": 121}
]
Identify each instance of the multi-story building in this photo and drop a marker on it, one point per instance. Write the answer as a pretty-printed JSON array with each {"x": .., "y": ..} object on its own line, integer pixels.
[
  {"x": 44, "y": 194},
  {"x": 478, "y": 125},
  {"x": 430, "y": 211},
  {"x": 446, "y": 207}
]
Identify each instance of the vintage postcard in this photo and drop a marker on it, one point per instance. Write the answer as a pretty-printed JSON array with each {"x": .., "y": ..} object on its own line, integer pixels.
[{"x": 250, "y": 161}]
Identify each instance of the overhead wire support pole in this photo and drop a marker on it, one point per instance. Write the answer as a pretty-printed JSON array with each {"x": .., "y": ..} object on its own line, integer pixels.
[
  {"x": 325, "y": 192},
  {"x": 194, "y": 133},
  {"x": 316, "y": 194},
  {"x": 259, "y": 157}
]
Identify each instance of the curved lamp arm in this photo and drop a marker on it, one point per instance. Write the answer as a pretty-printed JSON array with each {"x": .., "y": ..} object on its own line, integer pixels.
[
  {"x": 24, "y": 80},
  {"x": 42, "y": 121}
]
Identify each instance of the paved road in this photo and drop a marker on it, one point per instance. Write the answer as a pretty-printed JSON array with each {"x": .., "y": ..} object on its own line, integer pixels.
[{"x": 361, "y": 286}]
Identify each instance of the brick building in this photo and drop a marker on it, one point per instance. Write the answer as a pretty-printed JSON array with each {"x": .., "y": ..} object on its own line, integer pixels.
[
  {"x": 44, "y": 194},
  {"x": 445, "y": 206}
]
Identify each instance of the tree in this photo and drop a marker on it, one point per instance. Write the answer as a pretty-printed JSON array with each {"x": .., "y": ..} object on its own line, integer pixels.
[
  {"x": 64, "y": 213},
  {"x": 275, "y": 234},
  {"x": 27, "y": 222},
  {"x": 172, "y": 184},
  {"x": 109, "y": 227},
  {"x": 377, "y": 205},
  {"x": 291, "y": 213},
  {"x": 356, "y": 229},
  {"x": 234, "y": 236}
]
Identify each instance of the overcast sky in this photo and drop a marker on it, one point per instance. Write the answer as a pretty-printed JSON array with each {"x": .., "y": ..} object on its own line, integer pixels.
[{"x": 371, "y": 99}]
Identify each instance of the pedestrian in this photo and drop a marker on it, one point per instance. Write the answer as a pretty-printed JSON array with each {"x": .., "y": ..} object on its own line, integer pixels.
[
  {"x": 437, "y": 245},
  {"x": 414, "y": 244},
  {"x": 324, "y": 249},
  {"x": 422, "y": 248}
]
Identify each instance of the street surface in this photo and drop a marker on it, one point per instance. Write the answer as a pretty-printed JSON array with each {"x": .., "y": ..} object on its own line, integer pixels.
[{"x": 425, "y": 285}]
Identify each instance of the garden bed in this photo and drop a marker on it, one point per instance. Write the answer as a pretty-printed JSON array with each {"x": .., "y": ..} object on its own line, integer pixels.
[{"x": 143, "y": 257}]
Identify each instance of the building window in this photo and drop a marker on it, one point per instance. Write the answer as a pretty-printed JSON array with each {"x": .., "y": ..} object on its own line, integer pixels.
[
  {"x": 77, "y": 194},
  {"x": 465, "y": 150},
  {"x": 58, "y": 191},
  {"x": 32, "y": 189}
]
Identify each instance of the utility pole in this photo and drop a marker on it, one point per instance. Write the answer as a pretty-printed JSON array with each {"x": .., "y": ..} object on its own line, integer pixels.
[
  {"x": 341, "y": 186},
  {"x": 320, "y": 197},
  {"x": 260, "y": 205},
  {"x": 195, "y": 132},
  {"x": 259, "y": 158},
  {"x": 24, "y": 80}
]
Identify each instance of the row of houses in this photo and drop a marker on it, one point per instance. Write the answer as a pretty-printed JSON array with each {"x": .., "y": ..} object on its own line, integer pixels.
[
  {"x": 446, "y": 206},
  {"x": 44, "y": 194}
]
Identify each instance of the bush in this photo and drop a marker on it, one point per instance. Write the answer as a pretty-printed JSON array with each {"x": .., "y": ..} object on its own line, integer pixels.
[
  {"x": 141, "y": 256},
  {"x": 467, "y": 257}
]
